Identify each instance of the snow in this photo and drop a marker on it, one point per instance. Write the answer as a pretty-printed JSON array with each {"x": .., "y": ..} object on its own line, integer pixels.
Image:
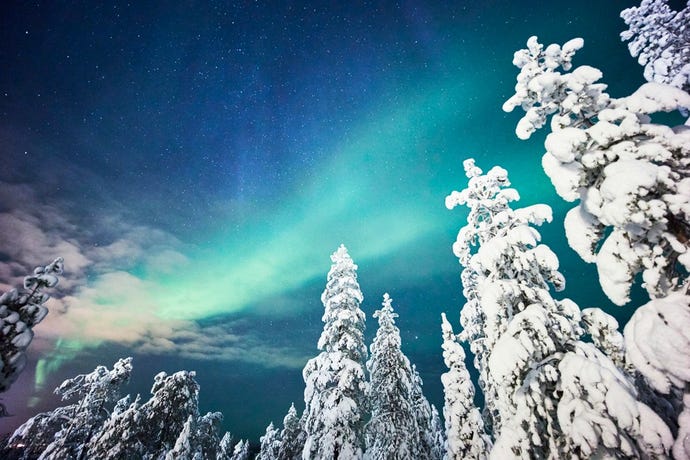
[
  {"x": 582, "y": 232},
  {"x": 563, "y": 143},
  {"x": 565, "y": 177},
  {"x": 623, "y": 181},
  {"x": 23, "y": 339},
  {"x": 681, "y": 447},
  {"x": 599, "y": 409},
  {"x": 657, "y": 340}
]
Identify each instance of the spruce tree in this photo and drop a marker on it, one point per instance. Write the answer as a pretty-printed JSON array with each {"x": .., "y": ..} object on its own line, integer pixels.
[
  {"x": 632, "y": 180},
  {"x": 292, "y": 436},
  {"x": 184, "y": 445},
  {"x": 225, "y": 448},
  {"x": 428, "y": 433},
  {"x": 392, "y": 432},
  {"x": 241, "y": 450},
  {"x": 270, "y": 444},
  {"x": 465, "y": 434},
  {"x": 152, "y": 428},
  {"x": 659, "y": 38},
  {"x": 335, "y": 380}
]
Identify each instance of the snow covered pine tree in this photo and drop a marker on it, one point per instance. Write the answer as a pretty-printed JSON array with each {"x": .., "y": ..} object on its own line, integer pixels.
[
  {"x": 270, "y": 444},
  {"x": 292, "y": 436},
  {"x": 335, "y": 380},
  {"x": 167, "y": 426},
  {"x": 392, "y": 432},
  {"x": 632, "y": 178},
  {"x": 659, "y": 38},
  {"x": 554, "y": 396},
  {"x": 65, "y": 432},
  {"x": 465, "y": 434}
]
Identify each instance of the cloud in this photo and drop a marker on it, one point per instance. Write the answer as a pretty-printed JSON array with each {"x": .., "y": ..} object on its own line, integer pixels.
[
  {"x": 119, "y": 284},
  {"x": 223, "y": 343}
]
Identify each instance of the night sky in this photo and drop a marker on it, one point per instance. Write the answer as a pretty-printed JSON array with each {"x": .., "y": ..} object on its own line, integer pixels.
[{"x": 196, "y": 163}]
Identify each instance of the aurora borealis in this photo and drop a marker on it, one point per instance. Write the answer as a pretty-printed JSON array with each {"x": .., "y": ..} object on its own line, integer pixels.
[{"x": 196, "y": 164}]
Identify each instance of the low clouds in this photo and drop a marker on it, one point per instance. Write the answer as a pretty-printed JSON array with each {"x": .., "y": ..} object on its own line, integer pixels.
[{"x": 115, "y": 284}]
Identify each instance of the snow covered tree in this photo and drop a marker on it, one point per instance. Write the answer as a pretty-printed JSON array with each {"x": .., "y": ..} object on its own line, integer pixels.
[
  {"x": 335, "y": 380},
  {"x": 531, "y": 342},
  {"x": 19, "y": 313},
  {"x": 225, "y": 448},
  {"x": 64, "y": 432},
  {"x": 509, "y": 272},
  {"x": 659, "y": 38},
  {"x": 658, "y": 345},
  {"x": 99, "y": 426},
  {"x": 33, "y": 436},
  {"x": 465, "y": 434},
  {"x": 631, "y": 176},
  {"x": 173, "y": 399},
  {"x": 392, "y": 432},
  {"x": 207, "y": 434},
  {"x": 424, "y": 415},
  {"x": 438, "y": 446},
  {"x": 122, "y": 435},
  {"x": 184, "y": 445},
  {"x": 270, "y": 444},
  {"x": 151, "y": 429},
  {"x": 603, "y": 330},
  {"x": 292, "y": 436},
  {"x": 241, "y": 451}
]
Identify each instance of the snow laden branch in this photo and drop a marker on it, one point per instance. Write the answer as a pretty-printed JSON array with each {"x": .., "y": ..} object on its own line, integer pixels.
[
  {"x": 19, "y": 313},
  {"x": 659, "y": 38},
  {"x": 528, "y": 346},
  {"x": 630, "y": 176}
]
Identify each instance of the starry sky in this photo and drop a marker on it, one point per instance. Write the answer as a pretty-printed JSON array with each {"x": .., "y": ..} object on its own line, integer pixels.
[{"x": 196, "y": 163}]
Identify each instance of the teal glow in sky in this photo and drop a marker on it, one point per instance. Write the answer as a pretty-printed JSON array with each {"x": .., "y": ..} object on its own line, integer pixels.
[{"x": 196, "y": 166}]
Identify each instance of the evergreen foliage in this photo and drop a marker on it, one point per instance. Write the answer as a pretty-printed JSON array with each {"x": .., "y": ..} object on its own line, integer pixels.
[
  {"x": 633, "y": 182},
  {"x": 392, "y": 432},
  {"x": 465, "y": 434},
  {"x": 292, "y": 436},
  {"x": 557, "y": 382},
  {"x": 659, "y": 38},
  {"x": 335, "y": 380},
  {"x": 270, "y": 444},
  {"x": 543, "y": 407},
  {"x": 19, "y": 313}
]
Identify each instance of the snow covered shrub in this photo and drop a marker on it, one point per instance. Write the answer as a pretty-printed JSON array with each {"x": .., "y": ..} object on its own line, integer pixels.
[
  {"x": 19, "y": 313},
  {"x": 659, "y": 38},
  {"x": 629, "y": 175}
]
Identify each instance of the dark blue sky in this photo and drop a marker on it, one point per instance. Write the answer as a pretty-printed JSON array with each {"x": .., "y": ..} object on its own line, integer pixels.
[{"x": 196, "y": 164}]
